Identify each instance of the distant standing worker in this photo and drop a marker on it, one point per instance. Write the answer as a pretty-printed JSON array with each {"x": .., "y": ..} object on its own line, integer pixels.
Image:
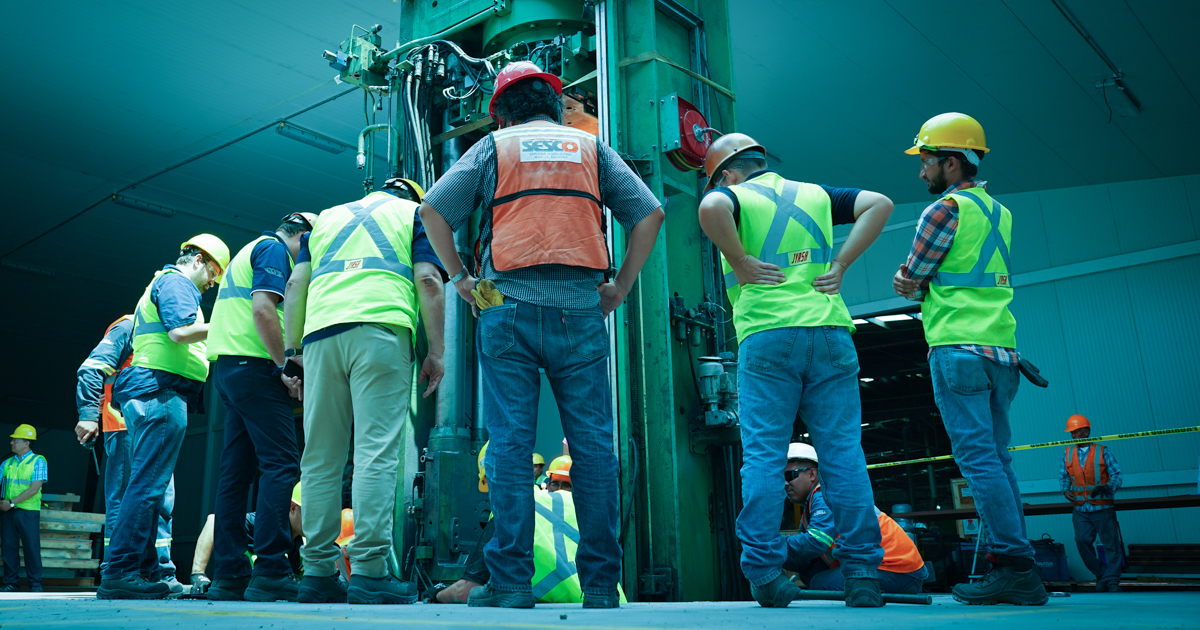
[
  {"x": 164, "y": 381},
  {"x": 245, "y": 340},
  {"x": 959, "y": 269},
  {"x": 543, "y": 244},
  {"x": 351, "y": 309},
  {"x": 1090, "y": 477},
  {"x": 21, "y": 510},
  {"x": 783, "y": 280},
  {"x": 99, "y": 414},
  {"x": 539, "y": 466}
]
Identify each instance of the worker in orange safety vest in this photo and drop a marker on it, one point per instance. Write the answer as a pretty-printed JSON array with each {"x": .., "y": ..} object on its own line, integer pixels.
[{"x": 1089, "y": 477}]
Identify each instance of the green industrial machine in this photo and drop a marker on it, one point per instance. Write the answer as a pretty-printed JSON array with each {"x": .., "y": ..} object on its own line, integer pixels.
[{"x": 632, "y": 71}]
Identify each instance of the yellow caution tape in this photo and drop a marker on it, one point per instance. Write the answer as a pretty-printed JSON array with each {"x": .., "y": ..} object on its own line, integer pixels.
[{"x": 1087, "y": 440}]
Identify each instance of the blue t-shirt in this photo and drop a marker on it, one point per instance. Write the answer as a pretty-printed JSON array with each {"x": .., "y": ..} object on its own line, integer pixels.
[
  {"x": 270, "y": 261},
  {"x": 422, "y": 251},
  {"x": 178, "y": 300},
  {"x": 841, "y": 200}
]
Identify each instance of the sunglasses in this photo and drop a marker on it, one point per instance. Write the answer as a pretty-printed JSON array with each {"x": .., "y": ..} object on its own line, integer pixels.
[{"x": 791, "y": 475}]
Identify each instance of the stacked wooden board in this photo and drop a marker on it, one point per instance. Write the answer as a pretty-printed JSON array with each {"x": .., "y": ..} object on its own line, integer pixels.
[{"x": 66, "y": 540}]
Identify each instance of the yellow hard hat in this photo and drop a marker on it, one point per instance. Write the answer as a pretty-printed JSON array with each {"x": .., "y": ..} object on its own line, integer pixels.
[
  {"x": 400, "y": 183},
  {"x": 949, "y": 131},
  {"x": 538, "y": 459},
  {"x": 560, "y": 467},
  {"x": 483, "y": 487},
  {"x": 214, "y": 247},
  {"x": 25, "y": 432},
  {"x": 296, "y": 494}
]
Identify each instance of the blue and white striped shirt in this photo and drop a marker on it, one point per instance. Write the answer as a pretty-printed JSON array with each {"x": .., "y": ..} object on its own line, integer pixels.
[{"x": 40, "y": 471}]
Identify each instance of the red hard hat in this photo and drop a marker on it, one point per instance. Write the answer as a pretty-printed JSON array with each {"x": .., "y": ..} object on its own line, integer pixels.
[{"x": 519, "y": 71}]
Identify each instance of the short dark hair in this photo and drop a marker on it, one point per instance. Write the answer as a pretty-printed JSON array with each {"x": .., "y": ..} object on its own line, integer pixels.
[
  {"x": 526, "y": 99},
  {"x": 289, "y": 229},
  {"x": 968, "y": 169},
  {"x": 187, "y": 253},
  {"x": 745, "y": 165}
]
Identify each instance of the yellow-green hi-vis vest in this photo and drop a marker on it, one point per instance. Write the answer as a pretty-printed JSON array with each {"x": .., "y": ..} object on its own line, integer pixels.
[
  {"x": 232, "y": 331},
  {"x": 789, "y": 224},
  {"x": 152, "y": 346},
  {"x": 18, "y": 478},
  {"x": 555, "y": 541},
  {"x": 968, "y": 299},
  {"x": 362, "y": 265}
]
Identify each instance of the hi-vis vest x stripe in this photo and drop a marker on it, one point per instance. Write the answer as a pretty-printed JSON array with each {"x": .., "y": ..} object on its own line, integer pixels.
[
  {"x": 232, "y": 332},
  {"x": 152, "y": 346},
  {"x": 789, "y": 224},
  {"x": 968, "y": 300},
  {"x": 362, "y": 264},
  {"x": 555, "y": 537}
]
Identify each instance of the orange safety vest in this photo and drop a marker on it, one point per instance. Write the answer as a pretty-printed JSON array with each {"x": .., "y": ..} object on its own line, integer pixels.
[
  {"x": 110, "y": 413},
  {"x": 900, "y": 555},
  {"x": 1089, "y": 475},
  {"x": 546, "y": 209}
]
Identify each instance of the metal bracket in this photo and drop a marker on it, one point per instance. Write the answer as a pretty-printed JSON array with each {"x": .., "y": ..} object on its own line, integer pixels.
[{"x": 658, "y": 582}]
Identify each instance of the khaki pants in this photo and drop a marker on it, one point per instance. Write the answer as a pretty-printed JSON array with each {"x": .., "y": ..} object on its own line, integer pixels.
[{"x": 364, "y": 375}]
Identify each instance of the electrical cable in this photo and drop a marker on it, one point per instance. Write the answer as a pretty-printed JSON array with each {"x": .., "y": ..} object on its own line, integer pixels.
[{"x": 173, "y": 167}]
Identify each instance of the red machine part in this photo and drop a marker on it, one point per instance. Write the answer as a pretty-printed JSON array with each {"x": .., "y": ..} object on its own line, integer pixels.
[{"x": 690, "y": 154}]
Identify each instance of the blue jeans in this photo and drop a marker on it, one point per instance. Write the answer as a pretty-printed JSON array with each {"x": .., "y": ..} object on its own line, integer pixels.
[
  {"x": 155, "y": 423},
  {"x": 116, "y": 478},
  {"x": 1102, "y": 523},
  {"x": 260, "y": 435},
  {"x": 515, "y": 340},
  {"x": 813, "y": 370},
  {"x": 973, "y": 394},
  {"x": 819, "y": 577}
]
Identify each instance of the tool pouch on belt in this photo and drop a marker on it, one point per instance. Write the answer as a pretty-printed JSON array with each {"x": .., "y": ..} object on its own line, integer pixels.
[{"x": 1033, "y": 374}]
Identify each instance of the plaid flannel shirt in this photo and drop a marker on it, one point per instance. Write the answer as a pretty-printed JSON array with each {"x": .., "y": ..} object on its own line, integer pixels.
[{"x": 935, "y": 236}]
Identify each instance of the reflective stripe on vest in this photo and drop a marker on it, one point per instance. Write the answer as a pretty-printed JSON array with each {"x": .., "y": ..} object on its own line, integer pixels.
[
  {"x": 362, "y": 265},
  {"x": 900, "y": 554},
  {"x": 968, "y": 298},
  {"x": 232, "y": 331},
  {"x": 110, "y": 412},
  {"x": 789, "y": 224},
  {"x": 546, "y": 209},
  {"x": 1082, "y": 483},
  {"x": 153, "y": 347},
  {"x": 18, "y": 478},
  {"x": 553, "y": 527}
]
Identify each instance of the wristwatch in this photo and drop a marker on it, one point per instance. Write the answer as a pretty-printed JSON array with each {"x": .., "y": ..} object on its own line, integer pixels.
[
  {"x": 459, "y": 276},
  {"x": 278, "y": 369},
  {"x": 293, "y": 352}
]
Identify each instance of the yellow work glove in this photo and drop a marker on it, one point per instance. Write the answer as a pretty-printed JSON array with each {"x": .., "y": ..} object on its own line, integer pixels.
[{"x": 487, "y": 295}]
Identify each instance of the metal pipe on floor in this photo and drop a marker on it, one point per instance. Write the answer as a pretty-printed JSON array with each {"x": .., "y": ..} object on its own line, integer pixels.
[{"x": 888, "y": 598}]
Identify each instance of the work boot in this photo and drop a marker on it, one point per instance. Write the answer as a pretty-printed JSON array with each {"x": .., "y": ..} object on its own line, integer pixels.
[
  {"x": 322, "y": 590},
  {"x": 381, "y": 590},
  {"x": 131, "y": 587},
  {"x": 173, "y": 585},
  {"x": 863, "y": 593},
  {"x": 9, "y": 588},
  {"x": 200, "y": 584},
  {"x": 229, "y": 589},
  {"x": 272, "y": 588},
  {"x": 777, "y": 593},
  {"x": 1011, "y": 580},
  {"x": 612, "y": 600},
  {"x": 1113, "y": 587},
  {"x": 486, "y": 595},
  {"x": 38, "y": 589}
]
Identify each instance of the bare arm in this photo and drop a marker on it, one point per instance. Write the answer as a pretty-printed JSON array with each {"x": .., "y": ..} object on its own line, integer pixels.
[
  {"x": 641, "y": 242},
  {"x": 441, "y": 237},
  {"x": 716, "y": 219},
  {"x": 871, "y": 212},
  {"x": 295, "y": 303},
  {"x": 204, "y": 546},
  {"x": 265, "y": 306},
  {"x": 432, "y": 299}
]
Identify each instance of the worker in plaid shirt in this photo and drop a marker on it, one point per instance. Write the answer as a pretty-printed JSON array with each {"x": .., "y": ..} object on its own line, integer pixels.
[{"x": 959, "y": 269}]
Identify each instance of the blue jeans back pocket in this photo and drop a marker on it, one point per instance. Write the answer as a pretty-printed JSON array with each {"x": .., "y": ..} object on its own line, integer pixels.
[
  {"x": 586, "y": 333},
  {"x": 842, "y": 354},
  {"x": 496, "y": 329},
  {"x": 769, "y": 350},
  {"x": 964, "y": 371}
]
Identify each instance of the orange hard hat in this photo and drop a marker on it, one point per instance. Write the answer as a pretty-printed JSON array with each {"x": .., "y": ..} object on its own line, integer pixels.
[
  {"x": 560, "y": 468},
  {"x": 725, "y": 149},
  {"x": 347, "y": 527},
  {"x": 1077, "y": 421},
  {"x": 516, "y": 72}
]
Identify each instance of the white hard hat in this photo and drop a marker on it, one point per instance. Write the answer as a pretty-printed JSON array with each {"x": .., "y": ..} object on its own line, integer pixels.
[{"x": 800, "y": 450}]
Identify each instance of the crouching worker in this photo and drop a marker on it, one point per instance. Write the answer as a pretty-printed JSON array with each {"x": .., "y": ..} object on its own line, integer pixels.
[
  {"x": 810, "y": 553},
  {"x": 555, "y": 578},
  {"x": 204, "y": 544}
]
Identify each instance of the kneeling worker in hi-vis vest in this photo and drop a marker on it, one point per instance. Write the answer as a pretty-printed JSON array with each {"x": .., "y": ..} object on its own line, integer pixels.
[
  {"x": 21, "y": 510},
  {"x": 959, "y": 269},
  {"x": 164, "y": 381},
  {"x": 245, "y": 342},
  {"x": 811, "y": 552},
  {"x": 1090, "y": 477},
  {"x": 795, "y": 355},
  {"x": 543, "y": 187},
  {"x": 555, "y": 541},
  {"x": 99, "y": 414},
  {"x": 351, "y": 306}
]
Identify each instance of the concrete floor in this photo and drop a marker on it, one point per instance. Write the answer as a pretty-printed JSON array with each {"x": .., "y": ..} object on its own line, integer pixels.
[{"x": 1089, "y": 610}]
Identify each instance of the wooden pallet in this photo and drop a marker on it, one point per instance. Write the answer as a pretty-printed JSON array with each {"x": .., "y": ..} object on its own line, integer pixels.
[{"x": 66, "y": 541}]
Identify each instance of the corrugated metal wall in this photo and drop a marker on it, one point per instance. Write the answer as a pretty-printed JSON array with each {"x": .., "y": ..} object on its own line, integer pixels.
[{"x": 1117, "y": 339}]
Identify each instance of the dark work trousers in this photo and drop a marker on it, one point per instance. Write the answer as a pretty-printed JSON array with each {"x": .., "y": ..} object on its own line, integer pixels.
[
  {"x": 260, "y": 435},
  {"x": 19, "y": 526},
  {"x": 1102, "y": 523}
]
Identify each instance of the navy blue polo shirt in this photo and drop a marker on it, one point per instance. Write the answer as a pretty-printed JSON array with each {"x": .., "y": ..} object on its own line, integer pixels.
[
  {"x": 271, "y": 262},
  {"x": 177, "y": 300}
]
